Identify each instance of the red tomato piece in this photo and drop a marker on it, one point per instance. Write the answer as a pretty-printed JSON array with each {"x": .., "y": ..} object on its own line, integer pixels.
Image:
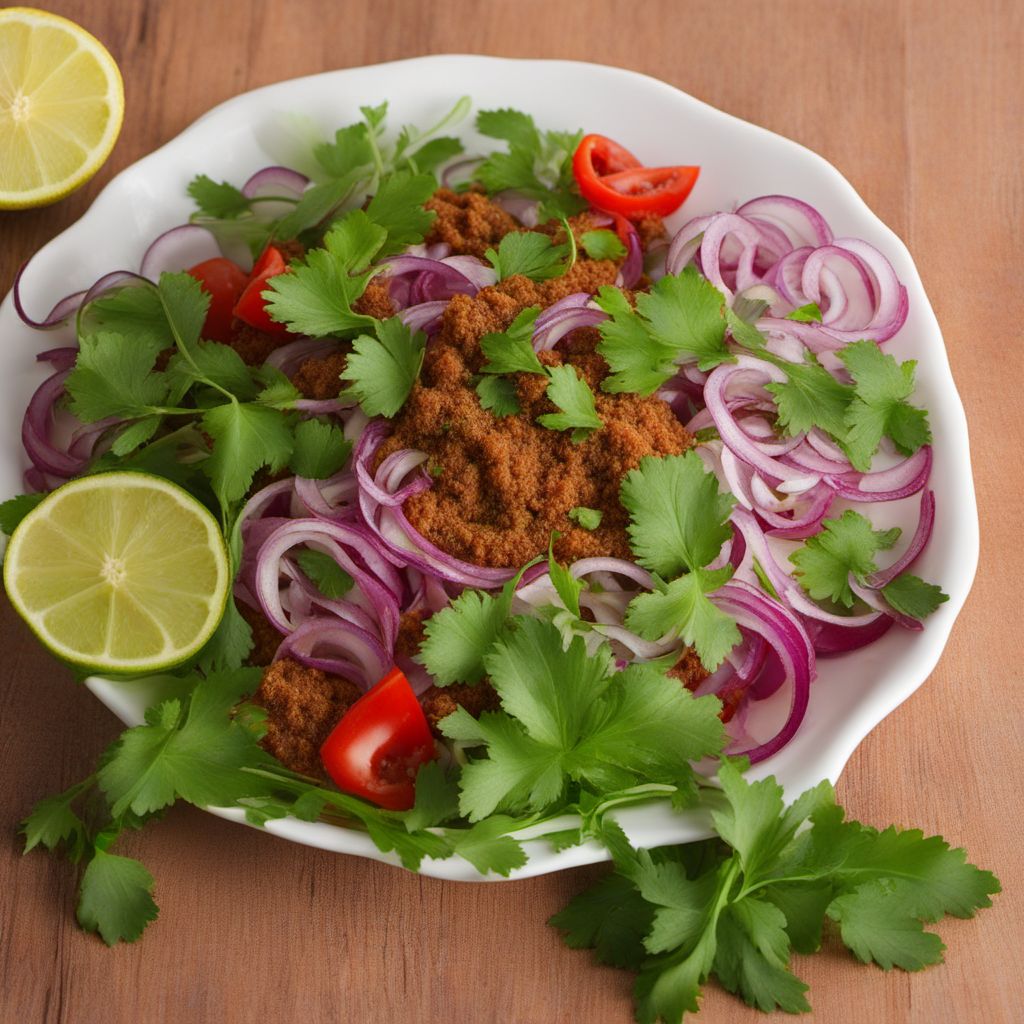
[
  {"x": 251, "y": 308},
  {"x": 610, "y": 178},
  {"x": 379, "y": 744},
  {"x": 224, "y": 281}
]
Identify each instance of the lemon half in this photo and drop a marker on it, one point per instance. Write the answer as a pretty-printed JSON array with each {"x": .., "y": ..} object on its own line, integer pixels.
[
  {"x": 120, "y": 572},
  {"x": 61, "y": 107}
]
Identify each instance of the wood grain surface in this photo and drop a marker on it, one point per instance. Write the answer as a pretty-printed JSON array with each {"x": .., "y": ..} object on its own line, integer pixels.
[{"x": 919, "y": 105}]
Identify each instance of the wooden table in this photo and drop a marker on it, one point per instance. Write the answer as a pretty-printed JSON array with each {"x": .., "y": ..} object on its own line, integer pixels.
[{"x": 918, "y": 104}]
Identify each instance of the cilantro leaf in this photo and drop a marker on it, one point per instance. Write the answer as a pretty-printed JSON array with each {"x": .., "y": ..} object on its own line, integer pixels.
[
  {"x": 437, "y": 798},
  {"x": 847, "y": 547},
  {"x": 13, "y": 510},
  {"x": 134, "y": 435},
  {"x": 209, "y": 362},
  {"x": 230, "y": 644},
  {"x": 911, "y": 596},
  {"x": 397, "y": 206},
  {"x": 566, "y": 718},
  {"x": 351, "y": 150},
  {"x": 566, "y": 585},
  {"x": 530, "y": 253},
  {"x": 810, "y": 313},
  {"x": 184, "y": 304},
  {"x": 321, "y": 449},
  {"x": 602, "y": 244},
  {"x": 682, "y": 318},
  {"x": 512, "y": 351},
  {"x": 571, "y": 393},
  {"x": 326, "y": 575},
  {"x": 879, "y": 408},
  {"x": 498, "y": 394},
  {"x": 316, "y": 297},
  {"x": 878, "y": 923},
  {"x": 586, "y": 518},
  {"x": 191, "y": 752},
  {"x": 683, "y": 609},
  {"x": 678, "y": 519},
  {"x": 52, "y": 821},
  {"x": 113, "y": 376},
  {"x": 752, "y": 956},
  {"x": 382, "y": 368},
  {"x": 218, "y": 199},
  {"x": 811, "y": 397},
  {"x": 611, "y": 918},
  {"x": 134, "y": 311},
  {"x": 116, "y": 898},
  {"x": 488, "y": 847},
  {"x": 245, "y": 437},
  {"x": 460, "y": 634},
  {"x": 538, "y": 164}
]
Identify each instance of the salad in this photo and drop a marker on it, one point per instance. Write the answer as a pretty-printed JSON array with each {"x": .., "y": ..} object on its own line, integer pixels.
[{"x": 528, "y": 503}]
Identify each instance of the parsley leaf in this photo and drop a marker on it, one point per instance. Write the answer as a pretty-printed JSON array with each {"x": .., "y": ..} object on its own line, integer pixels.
[
  {"x": 116, "y": 898},
  {"x": 218, "y": 199},
  {"x": 682, "y": 318},
  {"x": 880, "y": 408},
  {"x": 512, "y": 351},
  {"x": 530, "y": 253},
  {"x": 586, "y": 518},
  {"x": 382, "y": 368},
  {"x": 316, "y": 296},
  {"x": 682, "y": 608},
  {"x": 326, "y": 575},
  {"x": 602, "y": 244},
  {"x": 321, "y": 449},
  {"x": 245, "y": 438},
  {"x": 573, "y": 396},
  {"x": 678, "y": 519}
]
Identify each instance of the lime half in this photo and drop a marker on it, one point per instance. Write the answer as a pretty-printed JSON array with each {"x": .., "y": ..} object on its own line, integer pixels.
[{"x": 119, "y": 572}]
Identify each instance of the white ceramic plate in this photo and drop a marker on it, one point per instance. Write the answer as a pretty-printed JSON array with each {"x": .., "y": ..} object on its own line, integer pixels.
[{"x": 665, "y": 126}]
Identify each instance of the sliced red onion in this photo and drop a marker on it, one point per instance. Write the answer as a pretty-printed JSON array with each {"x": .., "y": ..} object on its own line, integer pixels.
[
  {"x": 333, "y": 499},
  {"x": 925, "y": 523},
  {"x": 288, "y": 358},
  {"x": 748, "y": 371},
  {"x": 339, "y": 647},
  {"x": 686, "y": 243},
  {"x": 830, "y": 640},
  {"x": 37, "y": 426},
  {"x": 525, "y": 210},
  {"x": 633, "y": 266},
  {"x": 275, "y": 181},
  {"x": 899, "y": 481},
  {"x": 351, "y": 547},
  {"x": 178, "y": 249},
  {"x": 404, "y": 544},
  {"x": 483, "y": 275},
  {"x": 62, "y": 358},
  {"x": 613, "y": 567},
  {"x": 58, "y": 315},
  {"x": 322, "y": 406},
  {"x": 424, "y": 316},
  {"x": 452, "y": 171},
  {"x": 801, "y": 222},
  {"x": 798, "y": 525},
  {"x": 567, "y": 321},
  {"x": 788, "y": 639}
]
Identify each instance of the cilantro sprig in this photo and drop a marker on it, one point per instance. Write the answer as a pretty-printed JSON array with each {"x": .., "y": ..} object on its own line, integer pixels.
[
  {"x": 772, "y": 882},
  {"x": 511, "y": 351},
  {"x": 845, "y": 549},
  {"x": 538, "y": 163},
  {"x": 678, "y": 524}
]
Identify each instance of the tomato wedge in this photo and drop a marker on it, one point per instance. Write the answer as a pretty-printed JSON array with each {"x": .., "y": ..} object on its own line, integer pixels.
[
  {"x": 610, "y": 178},
  {"x": 224, "y": 281},
  {"x": 251, "y": 308},
  {"x": 379, "y": 744}
]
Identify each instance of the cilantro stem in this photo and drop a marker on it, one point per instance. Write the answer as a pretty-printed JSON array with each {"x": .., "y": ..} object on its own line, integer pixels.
[
  {"x": 179, "y": 344},
  {"x": 570, "y": 239}
]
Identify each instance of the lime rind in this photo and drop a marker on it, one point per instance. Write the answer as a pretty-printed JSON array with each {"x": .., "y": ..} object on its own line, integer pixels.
[{"x": 119, "y": 572}]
